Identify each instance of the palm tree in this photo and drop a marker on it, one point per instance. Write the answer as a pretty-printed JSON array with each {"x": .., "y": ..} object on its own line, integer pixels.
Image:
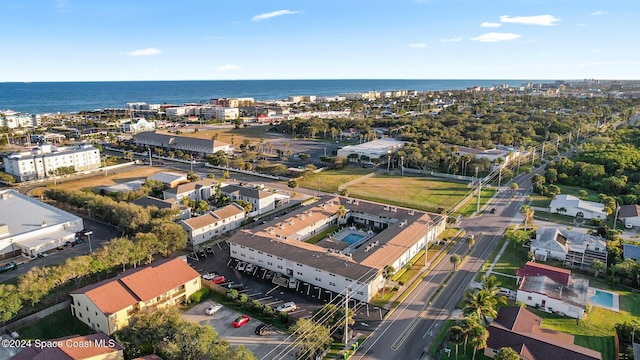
[
  {"x": 456, "y": 336},
  {"x": 598, "y": 266},
  {"x": 455, "y": 260},
  {"x": 467, "y": 324},
  {"x": 482, "y": 304},
  {"x": 479, "y": 335},
  {"x": 528, "y": 212},
  {"x": 342, "y": 212},
  {"x": 506, "y": 353},
  {"x": 470, "y": 241}
]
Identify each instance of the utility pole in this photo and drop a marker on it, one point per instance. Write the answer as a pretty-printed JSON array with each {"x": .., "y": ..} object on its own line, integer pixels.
[
  {"x": 542, "y": 155},
  {"x": 479, "y": 186},
  {"x": 401, "y": 165},
  {"x": 615, "y": 220},
  {"x": 499, "y": 176},
  {"x": 150, "y": 161},
  {"x": 518, "y": 169},
  {"x": 346, "y": 318}
]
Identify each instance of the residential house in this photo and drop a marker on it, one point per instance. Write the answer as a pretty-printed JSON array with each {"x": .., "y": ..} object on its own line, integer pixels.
[
  {"x": 572, "y": 247},
  {"x": 521, "y": 330},
  {"x": 629, "y": 215},
  {"x": 107, "y": 305},
  {"x": 573, "y": 206},
  {"x": 213, "y": 224},
  {"x": 197, "y": 190},
  {"x": 91, "y": 347},
  {"x": 260, "y": 200},
  {"x": 552, "y": 289}
]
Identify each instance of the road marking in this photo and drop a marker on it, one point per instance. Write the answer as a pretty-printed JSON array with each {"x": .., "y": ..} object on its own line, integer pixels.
[{"x": 270, "y": 291}]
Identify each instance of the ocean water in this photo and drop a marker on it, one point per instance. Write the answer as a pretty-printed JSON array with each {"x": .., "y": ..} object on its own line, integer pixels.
[{"x": 52, "y": 97}]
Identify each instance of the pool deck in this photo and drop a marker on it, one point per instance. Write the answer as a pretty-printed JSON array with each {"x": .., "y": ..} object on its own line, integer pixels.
[{"x": 616, "y": 299}]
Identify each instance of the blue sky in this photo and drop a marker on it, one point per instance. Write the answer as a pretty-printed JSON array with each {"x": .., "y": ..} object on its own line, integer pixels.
[{"x": 96, "y": 40}]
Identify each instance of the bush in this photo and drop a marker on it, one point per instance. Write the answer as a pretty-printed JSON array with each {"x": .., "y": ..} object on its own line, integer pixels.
[
  {"x": 199, "y": 295},
  {"x": 232, "y": 294}
]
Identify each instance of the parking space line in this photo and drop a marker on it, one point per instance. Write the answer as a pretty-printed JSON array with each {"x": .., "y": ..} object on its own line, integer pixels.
[
  {"x": 254, "y": 294},
  {"x": 270, "y": 291},
  {"x": 265, "y": 298}
]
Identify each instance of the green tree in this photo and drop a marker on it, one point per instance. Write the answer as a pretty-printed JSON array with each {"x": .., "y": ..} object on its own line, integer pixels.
[
  {"x": 471, "y": 240},
  {"x": 516, "y": 237},
  {"x": 312, "y": 337},
  {"x": 583, "y": 194},
  {"x": 478, "y": 338},
  {"x": 171, "y": 237},
  {"x": 10, "y": 302},
  {"x": 506, "y": 353},
  {"x": 598, "y": 266},
  {"x": 192, "y": 177},
  {"x": 455, "y": 260},
  {"x": 528, "y": 213},
  {"x": 482, "y": 304},
  {"x": 293, "y": 184},
  {"x": 456, "y": 336},
  {"x": 247, "y": 206}
]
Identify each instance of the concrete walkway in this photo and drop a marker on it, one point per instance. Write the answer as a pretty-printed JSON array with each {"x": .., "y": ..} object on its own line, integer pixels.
[{"x": 357, "y": 180}]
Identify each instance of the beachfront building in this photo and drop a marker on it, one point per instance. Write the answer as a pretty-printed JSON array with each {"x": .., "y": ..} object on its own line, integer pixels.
[
  {"x": 30, "y": 227},
  {"x": 135, "y": 126},
  {"x": 15, "y": 120},
  {"x": 172, "y": 142},
  {"x": 368, "y": 237},
  {"x": 215, "y": 223},
  {"x": 106, "y": 306},
  {"x": 372, "y": 150},
  {"x": 47, "y": 160}
]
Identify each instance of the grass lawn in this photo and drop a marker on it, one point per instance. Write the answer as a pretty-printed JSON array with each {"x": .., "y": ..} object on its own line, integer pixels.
[
  {"x": 330, "y": 180},
  {"x": 511, "y": 260},
  {"x": 50, "y": 327},
  {"x": 322, "y": 235},
  {"x": 575, "y": 191},
  {"x": 472, "y": 204},
  {"x": 540, "y": 201},
  {"x": 413, "y": 192}
]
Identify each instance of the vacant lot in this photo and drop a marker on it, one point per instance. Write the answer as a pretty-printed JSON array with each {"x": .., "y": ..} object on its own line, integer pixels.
[
  {"x": 330, "y": 180},
  {"x": 99, "y": 181},
  {"x": 418, "y": 193}
]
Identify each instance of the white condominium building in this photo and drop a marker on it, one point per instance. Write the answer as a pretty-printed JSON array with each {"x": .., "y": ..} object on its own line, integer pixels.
[{"x": 45, "y": 160}]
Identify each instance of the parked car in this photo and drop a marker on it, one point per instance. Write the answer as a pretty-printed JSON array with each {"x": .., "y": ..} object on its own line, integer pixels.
[
  {"x": 213, "y": 309},
  {"x": 240, "y": 321},
  {"x": 218, "y": 279},
  {"x": 269, "y": 275},
  {"x": 241, "y": 266},
  {"x": 262, "y": 329},
  {"x": 236, "y": 286},
  {"x": 8, "y": 266},
  {"x": 249, "y": 269},
  {"x": 209, "y": 276},
  {"x": 287, "y": 307},
  {"x": 293, "y": 283}
]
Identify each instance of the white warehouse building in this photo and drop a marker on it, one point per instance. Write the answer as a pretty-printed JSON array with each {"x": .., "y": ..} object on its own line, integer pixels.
[
  {"x": 372, "y": 236},
  {"x": 43, "y": 161},
  {"x": 372, "y": 149},
  {"x": 36, "y": 228}
]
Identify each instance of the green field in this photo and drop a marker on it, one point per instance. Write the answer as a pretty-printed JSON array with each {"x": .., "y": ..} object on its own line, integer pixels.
[
  {"x": 330, "y": 180},
  {"x": 49, "y": 327}
]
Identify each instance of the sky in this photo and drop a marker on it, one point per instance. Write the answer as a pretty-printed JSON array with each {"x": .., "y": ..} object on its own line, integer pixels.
[{"x": 114, "y": 40}]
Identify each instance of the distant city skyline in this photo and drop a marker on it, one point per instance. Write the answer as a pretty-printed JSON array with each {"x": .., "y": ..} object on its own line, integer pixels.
[{"x": 116, "y": 40}]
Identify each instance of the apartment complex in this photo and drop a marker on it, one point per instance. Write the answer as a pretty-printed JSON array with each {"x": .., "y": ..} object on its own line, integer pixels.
[
  {"x": 16, "y": 120},
  {"x": 45, "y": 160},
  {"x": 172, "y": 142},
  {"x": 213, "y": 224},
  {"x": 107, "y": 305},
  {"x": 370, "y": 237}
]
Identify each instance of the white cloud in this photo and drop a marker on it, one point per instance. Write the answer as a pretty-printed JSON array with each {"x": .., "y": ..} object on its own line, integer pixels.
[
  {"x": 417, "y": 45},
  {"x": 490, "y": 25},
  {"x": 543, "y": 20},
  {"x": 228, "y": 67},
  {"x": 273, "y": 14},
  {"x": 596, "y": 13},
  {"x": 144, "y": 52},
  {"x": 496, "y": 37},
  {"x": 452, "y": 39}
]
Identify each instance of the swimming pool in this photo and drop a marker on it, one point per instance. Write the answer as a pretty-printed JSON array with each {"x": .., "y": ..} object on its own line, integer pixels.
[
  {"x": 352, "y": 238},
  {"x": 602, "y": 298}
]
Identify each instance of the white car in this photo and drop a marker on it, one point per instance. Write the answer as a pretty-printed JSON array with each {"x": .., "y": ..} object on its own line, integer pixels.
[
  {"x": 209, "y": 276},
  {"x": 250, "y": 268},
  {"x": 287, "y": 307},
  {"x": 213, "y": 309},
  {"x": 242, "y": 266},
  {"x": 293, "y": 283}
]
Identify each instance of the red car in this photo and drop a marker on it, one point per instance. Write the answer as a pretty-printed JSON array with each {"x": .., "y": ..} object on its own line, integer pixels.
[
  {"x": 240, "y": 321},
  {"x": 218, "y": 279}
]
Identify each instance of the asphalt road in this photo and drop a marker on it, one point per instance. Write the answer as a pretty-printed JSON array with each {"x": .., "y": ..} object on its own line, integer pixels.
[{"x": 408, "y": 331}]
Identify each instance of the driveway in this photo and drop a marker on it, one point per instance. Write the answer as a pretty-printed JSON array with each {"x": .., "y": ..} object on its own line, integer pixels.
[{"x": 262, "y": 346}]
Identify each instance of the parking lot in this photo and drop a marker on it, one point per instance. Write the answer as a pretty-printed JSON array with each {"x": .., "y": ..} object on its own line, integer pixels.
[
  {"x": 221, "y": 321},
  {"x": 258, "y": 287}
]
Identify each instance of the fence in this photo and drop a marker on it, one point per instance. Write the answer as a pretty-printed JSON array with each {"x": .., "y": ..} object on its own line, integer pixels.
[{"x": 34, "y": 317}]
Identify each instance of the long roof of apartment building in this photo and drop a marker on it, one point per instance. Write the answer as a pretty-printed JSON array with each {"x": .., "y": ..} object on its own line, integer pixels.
[
  {"x": 280, "y": 237},
  {"x": 214, "y": 216}
]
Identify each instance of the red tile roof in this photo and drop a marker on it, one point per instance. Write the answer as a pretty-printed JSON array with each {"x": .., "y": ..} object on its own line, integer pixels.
[
  {"x": 556, "y": 274},
  {"x": 141, "y": 284}
]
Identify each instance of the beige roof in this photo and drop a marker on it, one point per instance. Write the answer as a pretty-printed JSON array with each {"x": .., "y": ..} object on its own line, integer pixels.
[
  {"x": 91, "y": 349},
  {"x": 187, "y": 187},
  {"x": 224, "y": 212},
  {"x": 228, "y": 211}
]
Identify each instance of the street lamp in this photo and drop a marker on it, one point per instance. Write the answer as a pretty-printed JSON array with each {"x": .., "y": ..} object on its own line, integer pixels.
[{"x": 88, "y": 234}]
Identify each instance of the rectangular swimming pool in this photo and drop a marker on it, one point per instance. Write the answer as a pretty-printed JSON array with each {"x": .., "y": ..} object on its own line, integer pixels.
[
  {"x": 602, "y": 298},
  {"x": 352, "y": 238}
]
